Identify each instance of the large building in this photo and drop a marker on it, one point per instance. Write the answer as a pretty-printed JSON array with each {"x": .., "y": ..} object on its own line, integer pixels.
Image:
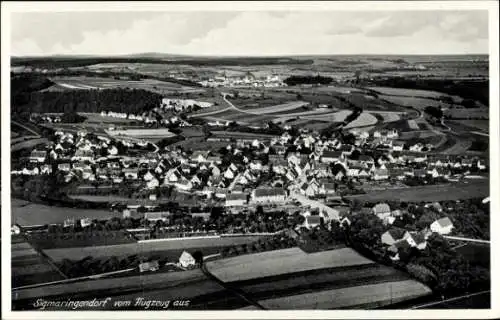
[{"x": 269, "y": 195}]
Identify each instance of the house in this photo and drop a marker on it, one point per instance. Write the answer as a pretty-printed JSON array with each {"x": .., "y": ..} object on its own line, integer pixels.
[
  {"x": 312, "y": 222},
  {"x": 38, "y": 156},
  {"x": 420, "y": 173},
  {"x": 15, "y": 229},
  {"x": 236, "y": 200},
  {"x": 148, "y": 176},
  {"x": 381, "y": 174},
  {"x": 442, "y": 226},
  {"x": 186, "y": 260},
  {"x": 381, "y": 210},
  {"x": 269, "y": 195},
  {"x": 130, "y": 173},
  {"x": 85, "y": 222},
  {"x": 157, "y": 216},
  {"x": 392, "y": 236},
  {"x": 229, "y": 174},
  {"x": 149, "y": 266},
  {"x": 199, "y": 156},
  {"x": 394, "y": 249},
  {"x": 416, "y": 239},
  {"x": 329, "y": 156},
  {"x": 64, "y": 167},
  {"x": 398, "y": 145},
  {"x": 152, "y": 184},
  {"x": 183, "y": 184},
  {"x": 83, "y": 155}
]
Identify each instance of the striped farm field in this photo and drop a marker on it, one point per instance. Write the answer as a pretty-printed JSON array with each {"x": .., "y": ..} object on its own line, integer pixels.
[
  {"x": 387, "y": 116},
  {"x": 273, "y": 263},
  {"x": 365, "y": 296}
]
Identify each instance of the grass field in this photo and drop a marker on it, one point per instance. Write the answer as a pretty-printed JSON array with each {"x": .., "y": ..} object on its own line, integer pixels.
[
  {"x": 31, "y": 214},
  {"x": 364, "y": 119},
  {"x": 483, "y": 125},
  {"x": 137, "y": 283},
  {"x": 169, "y": 249},
  {"x": 455, "y": 191},
  {"x": 361, "y": 297},
  {"x": 479, "y": 113},
  {"x": 272, "y": 263},
  {"x": 28, "y": 144},
  {"x": 387, "y": 116}
]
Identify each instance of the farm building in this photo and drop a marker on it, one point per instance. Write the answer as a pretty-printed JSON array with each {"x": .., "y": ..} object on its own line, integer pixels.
[
  {"x": 382, "y": 210},
  {"x": 312, "y": 222},
  {"x": 269, "y": 195},
  {"x": 236, "y": 199},
  {"x": 38, "y": 156},
  {"x": 157, "y": 216},
  {"x": 392, "y": 236},
  {"x": 442, "y": 226}
]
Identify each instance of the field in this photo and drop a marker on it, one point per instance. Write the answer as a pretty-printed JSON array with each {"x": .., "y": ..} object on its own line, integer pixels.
[
  {"x": 241, "y": 135},
  {"x": 466, "y": 190},
  {"x": 465, "y": 114},
  {"x": 171, "y": 248},
  {"x": 272, "y": 263},
  {"x": 29, "y": 267},
  {"x": 32, "y": 214},
  {"x": 387, "y": 116},
  {"x": 476, "y": 253},
  {"x": 28, "y": 144},
  {"x": 293, "y": 279},
  {"x": 419, "y": 103},
  {"x": 87, "y": 83},
  {"x": 359, "y": 297},
  {"x": 364, "y": 120},
  {"x": 413, "y": 93},
  {"x": 482, "y": 125}
]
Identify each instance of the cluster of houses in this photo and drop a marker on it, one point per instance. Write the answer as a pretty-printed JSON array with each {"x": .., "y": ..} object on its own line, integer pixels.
[
  {"x": 396, "y": 238},
  {"x": 247, "y": 80}
]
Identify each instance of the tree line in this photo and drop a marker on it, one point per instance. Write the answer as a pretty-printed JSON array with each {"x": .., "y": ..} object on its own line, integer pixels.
[{"x": 298, "y": 80}]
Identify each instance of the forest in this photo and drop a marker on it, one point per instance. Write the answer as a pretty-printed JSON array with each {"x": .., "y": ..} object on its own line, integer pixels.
[
  {"x": 298, "y": 80},
  {"x": 117, "y": 100}
]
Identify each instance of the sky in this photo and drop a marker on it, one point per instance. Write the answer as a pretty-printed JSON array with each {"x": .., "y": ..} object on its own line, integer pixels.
[{"x": 250, "y": 33}]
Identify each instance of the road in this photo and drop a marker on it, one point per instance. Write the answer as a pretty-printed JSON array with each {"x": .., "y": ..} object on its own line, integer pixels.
[
  {"x": 467, "y": 239},
  {"x": 426, "y": 305}
]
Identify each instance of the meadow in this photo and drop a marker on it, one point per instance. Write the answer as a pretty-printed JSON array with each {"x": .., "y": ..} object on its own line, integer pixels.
[
  {"x": 272, "y": 263},
  {"x": 450, "y": 191},
  {"x": 167, "y": 248}
]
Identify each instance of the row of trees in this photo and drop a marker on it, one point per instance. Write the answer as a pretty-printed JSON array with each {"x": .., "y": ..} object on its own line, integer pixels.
[{"x": 298, "y": 80}]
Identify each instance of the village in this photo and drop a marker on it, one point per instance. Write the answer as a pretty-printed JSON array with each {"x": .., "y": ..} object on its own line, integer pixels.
[{"x": 305, "y": 175}]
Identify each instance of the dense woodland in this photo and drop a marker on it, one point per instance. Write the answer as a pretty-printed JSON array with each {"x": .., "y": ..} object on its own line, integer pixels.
[
  {"x": 468, "y": 89},
  {"x": 298, "y": 80},
  {"x": 117, "y": 100}
]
